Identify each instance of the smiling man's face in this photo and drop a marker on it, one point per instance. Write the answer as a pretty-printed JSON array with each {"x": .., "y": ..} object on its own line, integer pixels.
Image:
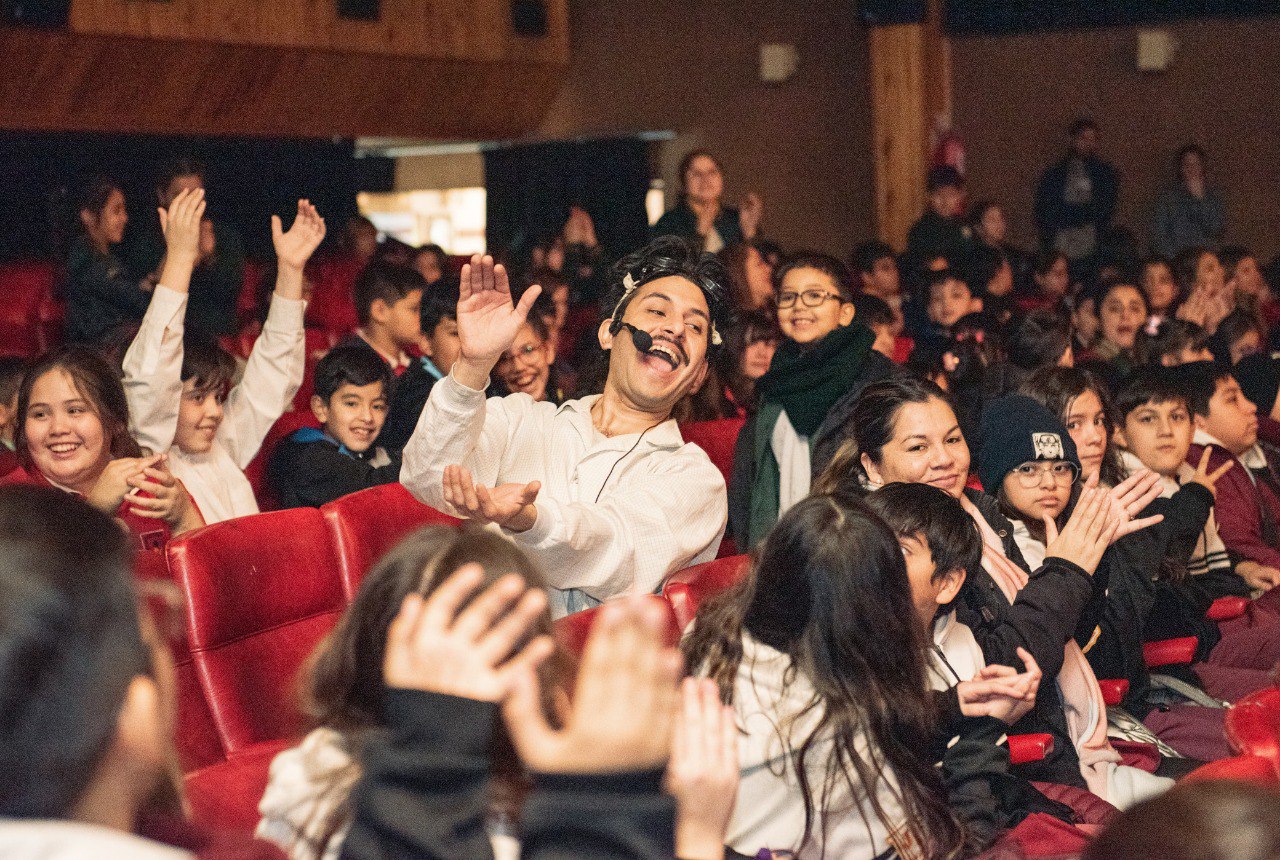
[{"x": 673, "y": 311}]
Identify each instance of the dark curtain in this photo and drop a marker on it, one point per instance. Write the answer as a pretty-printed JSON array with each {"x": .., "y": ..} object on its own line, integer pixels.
[
  {"x": 249, "y": 180},
  {"x": 530, "y": 189}
]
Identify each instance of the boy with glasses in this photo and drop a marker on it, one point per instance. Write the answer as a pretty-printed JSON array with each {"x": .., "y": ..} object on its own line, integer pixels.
[{"x": 822, "y": 364}]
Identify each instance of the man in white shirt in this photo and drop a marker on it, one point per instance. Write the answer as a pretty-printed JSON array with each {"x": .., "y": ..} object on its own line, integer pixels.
[{"x": 603, "y": 492}]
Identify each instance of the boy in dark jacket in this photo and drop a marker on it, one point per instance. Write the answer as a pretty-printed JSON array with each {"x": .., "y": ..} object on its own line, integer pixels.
[
  {"x": 313, "y": 467},
  {"x": 440, "y": 349}
]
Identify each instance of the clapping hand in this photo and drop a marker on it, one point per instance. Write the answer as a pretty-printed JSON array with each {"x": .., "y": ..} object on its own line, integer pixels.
[
  {"x": 1132, "y": 495},
  {"x": 703, "y": 772},
  {"x": 1001, "y": 691},
  {"x": 508, "y": 505},
  {"x": 750, "y": 214},
  {"x": 624, "y": 704},
  {"x": 437, "y": 646},
  {"x": 181, "y": 225}
]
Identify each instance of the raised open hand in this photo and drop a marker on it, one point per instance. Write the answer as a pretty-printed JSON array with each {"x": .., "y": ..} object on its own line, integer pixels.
[
  {"x": 1088, "y": 531},
  {"x": 180, "y": 224},
  {"x": 508, "y": 505},
  {"x": 624, "y": 704},
  {"x": 1207, "y": 479},
  {"x": 295, "y": 247},
  {"x": 1140, "y": 489},
  {"x": 487, "y": 318},
  {"x": 475, "y": 653},
  {"x": 703, "y": 772}
]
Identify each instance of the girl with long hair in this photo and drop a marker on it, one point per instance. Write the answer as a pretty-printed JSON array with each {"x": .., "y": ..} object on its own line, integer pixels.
[
  {"x": 820, "y": 653},
  {"x": 73, "y": 434},
  {"x": 1083, "y": 404}
]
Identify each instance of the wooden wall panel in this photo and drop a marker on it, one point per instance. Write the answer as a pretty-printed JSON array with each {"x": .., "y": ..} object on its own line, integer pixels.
[
  {"x": 427, "y": 68},
  {"x": 146, "y": 86},
  {"x": 910, "y": 85}
]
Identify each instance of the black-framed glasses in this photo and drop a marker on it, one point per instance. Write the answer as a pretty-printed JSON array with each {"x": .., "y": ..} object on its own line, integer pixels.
[
  {"x": 810, "y": 298},
  {"x": 1031, "y": 474}
]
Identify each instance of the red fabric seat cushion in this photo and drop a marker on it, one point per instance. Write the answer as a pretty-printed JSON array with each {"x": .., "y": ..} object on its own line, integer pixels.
[
  {"x": 689, "y": 588},
  {"x": 364, "y": 526},
  {"x": 225, "y": 796},
  {"x": 262, "y": 591},
  {"x": 717, "y": 438}
]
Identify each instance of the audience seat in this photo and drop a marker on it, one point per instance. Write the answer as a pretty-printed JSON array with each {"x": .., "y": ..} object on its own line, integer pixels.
[
  {"x": 332, "y": 306},
  {"x": 689, "y": 588},
  {"x": 1227, "y": 608},
  {"x": 258, "y": 606},
  {"x": 247, "y": 301},
  {"x": 225, "y": 796},
  {"x": 1024, "y": 749},
  {"x": 717, "y": 438},
  {"x": 364, "y": 526},
  {"x": 1253, "y": 725},
  {"x": 1242, "y": 768},
  {"x": 28, "y": 288},
  {"x": 256, "y": 471},
  {"x": 572, "y": 630},
  {"x": 319, "y": 342},
  {"x": 1170, "y": 652}
]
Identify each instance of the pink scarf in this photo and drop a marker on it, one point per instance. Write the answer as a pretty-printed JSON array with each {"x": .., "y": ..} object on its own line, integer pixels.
[{"x": 1082, "y": 697}]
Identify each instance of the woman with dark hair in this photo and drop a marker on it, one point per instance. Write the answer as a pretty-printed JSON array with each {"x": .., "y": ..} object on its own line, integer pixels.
[
  {"x": 306, "y": 808},
  {"x": 820, "y": 653},
  {"x": 1189, "y": 213},
  {"x": 1240, "y": 333},
  {"x": 1083, "y": 404},
  {"x": 700, "y": 215},
  {"x": 100, "y": 294},
  {"x": 906, "y": 431},
  {"x": 1122, "y": 313},
  {"x": 750, "y": 277},
  {"x": 73, "y": 434},
  {"x": 87, "y": 717}
]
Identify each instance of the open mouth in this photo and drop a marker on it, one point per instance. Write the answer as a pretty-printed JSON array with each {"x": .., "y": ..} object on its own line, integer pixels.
[
  {"x": 667, "y": 352},
  {"x": 64, "y": 449}
]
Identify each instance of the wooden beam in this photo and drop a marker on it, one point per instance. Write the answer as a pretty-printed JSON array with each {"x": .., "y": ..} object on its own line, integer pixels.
[{"x": 910, "y": 87}]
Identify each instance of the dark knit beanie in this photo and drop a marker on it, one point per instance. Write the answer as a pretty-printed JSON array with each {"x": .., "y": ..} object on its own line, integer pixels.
[
  {"x": 1259, "y": 378},
  {"x": 1015, "y": 430}
]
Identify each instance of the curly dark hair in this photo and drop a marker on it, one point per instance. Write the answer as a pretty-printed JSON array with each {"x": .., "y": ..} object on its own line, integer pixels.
[{"x": 669, "y": 256}]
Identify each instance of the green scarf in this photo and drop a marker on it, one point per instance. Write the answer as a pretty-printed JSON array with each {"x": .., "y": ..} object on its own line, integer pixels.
[{"x": 806, "y": 383}]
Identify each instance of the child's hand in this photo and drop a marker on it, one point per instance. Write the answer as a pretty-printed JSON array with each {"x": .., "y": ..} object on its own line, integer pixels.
[
  {"x": 295, "y": 247},
  {"x": 1001, "y": 691},
  {"x": 114, "y": 482},
  {"x": 624, "y": 704},
  {"x": 1210, "y": 480},
  {"x": 434, "y": 647},
  {"x": 1137, "y": 491},
  {"x": 167, "y": 499},
  {"x": 181, "y": 226},
  {"x": 1088, "y": 531},
  {"x": 703, "y": 772},
  {"x": 1259, "y": 577}
]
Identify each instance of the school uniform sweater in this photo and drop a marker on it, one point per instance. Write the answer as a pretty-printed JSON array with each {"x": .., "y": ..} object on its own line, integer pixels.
[
  {"x": 153, "y": 387},
  {"x": 310, "y": 468}
]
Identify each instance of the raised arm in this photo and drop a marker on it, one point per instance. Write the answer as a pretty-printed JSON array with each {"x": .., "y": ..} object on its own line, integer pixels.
[
  {"x": 153, "y": 364},
  {"x": 278, "y": 360},
  {"x": 487, "y": 319}
]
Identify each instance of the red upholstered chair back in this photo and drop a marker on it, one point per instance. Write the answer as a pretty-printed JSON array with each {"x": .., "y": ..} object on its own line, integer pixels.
[
  {"x": 572, "y": 630},
  {"x": 332, "y": 307},
  {"x": 717, "y": 438},
  {"x": 262, "y": 591},
  {"x": 1253, "y": 725},
  {"x": 26, "y": 303},
  {"x": 689, "y": 588},
  {"x": 256, "y": 471},
  {"x": 364, "y": 526}
]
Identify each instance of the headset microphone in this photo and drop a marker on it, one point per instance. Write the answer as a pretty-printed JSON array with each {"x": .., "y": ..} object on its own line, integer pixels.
[{"x": 642, "y": 339}]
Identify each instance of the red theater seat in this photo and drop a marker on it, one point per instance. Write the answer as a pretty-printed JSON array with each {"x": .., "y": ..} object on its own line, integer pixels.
[
  {"x": 262, "y": 592},
  {"x": 364, "y": 526},
  {"x": 1227, "y": 608},
  {"x": 332, "y": 307},
  {"x": 1024, "y": 749},
  {"x": 28, "y": 310},
  {"x": 1242, "y": 768},
  {"x": 717, "y": 438},
  {"x": 225, "y": 796},
  {"x": 689, "y": 588},
  {"x": 572, "y": 630},
  {"x": 256, "y": 471},
  {"x": 1253, "y": 725},
  {"x": 1169, "y": 652}
]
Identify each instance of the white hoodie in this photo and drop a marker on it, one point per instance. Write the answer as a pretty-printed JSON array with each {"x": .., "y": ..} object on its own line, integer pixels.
[{"x": 27, "y": 839}]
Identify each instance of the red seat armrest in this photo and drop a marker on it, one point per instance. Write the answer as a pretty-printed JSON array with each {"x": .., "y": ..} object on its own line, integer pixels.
[
  {"x": 1226, "y": 608},
  {"x": 1169, "y": 652},
  {"x": 681, "y": 600},
  {"x": 1024, "y": 749},
  {"x": 1113, "y": 690}
]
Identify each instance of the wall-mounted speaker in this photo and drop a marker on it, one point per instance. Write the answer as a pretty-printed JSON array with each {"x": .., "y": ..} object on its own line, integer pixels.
[
  {"x": 360, "y": 10},
  {"x": 529, "y": 17},
  {"x": 36, "y": 13},
  {"x": 882, "y": 12}
]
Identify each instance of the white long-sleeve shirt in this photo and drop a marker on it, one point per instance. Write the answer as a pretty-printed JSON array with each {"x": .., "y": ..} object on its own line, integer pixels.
[
  {"x": 615, "y": 514},
  {"x": 153, "y": 385}
]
